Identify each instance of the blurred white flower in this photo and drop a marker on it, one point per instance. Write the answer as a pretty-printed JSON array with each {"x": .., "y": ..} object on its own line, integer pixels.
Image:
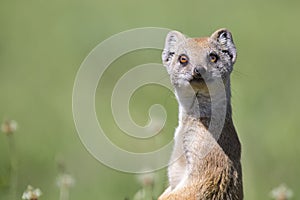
[
  {"x": 9, "y": 126},
  {"x": 282, "y": 192},
  {"x": 146, "y": 179},
  {"x": 31, "y": 193},
  {"x": 65, "y": 180}
]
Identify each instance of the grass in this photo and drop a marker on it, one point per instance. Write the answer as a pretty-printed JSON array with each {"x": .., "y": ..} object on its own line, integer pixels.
[{"x": 43, "y": 44}]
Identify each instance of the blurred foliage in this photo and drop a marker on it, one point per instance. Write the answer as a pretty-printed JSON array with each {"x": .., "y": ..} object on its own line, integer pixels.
[{"x": 42, "y": 44}]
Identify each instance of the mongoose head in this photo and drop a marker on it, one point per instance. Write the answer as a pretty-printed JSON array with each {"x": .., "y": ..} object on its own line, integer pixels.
[{"x": 198, "y": 61}]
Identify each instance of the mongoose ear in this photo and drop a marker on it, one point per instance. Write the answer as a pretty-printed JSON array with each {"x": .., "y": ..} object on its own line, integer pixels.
[
  {"x": 172, "y": 40},
  {"x": 224, "y": 39}
]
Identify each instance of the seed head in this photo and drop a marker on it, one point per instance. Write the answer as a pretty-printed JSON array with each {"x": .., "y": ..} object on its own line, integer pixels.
[
  {"x": 31, "y": 193},
  {"x": 65, "y": 180},
  {"x": 282, "y": 192},
  {"x": 9, "y": 126}
]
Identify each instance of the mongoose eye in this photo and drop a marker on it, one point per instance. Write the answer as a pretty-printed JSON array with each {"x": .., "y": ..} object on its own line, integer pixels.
[
  {"x": 213, "y": 57},
  {"x": 183, "y": 59}
]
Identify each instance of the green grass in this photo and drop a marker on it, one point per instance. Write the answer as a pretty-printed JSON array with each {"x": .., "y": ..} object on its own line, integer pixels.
[{"x": 42, "y": 44}]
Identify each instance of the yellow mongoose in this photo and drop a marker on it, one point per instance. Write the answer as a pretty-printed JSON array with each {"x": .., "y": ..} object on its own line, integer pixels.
[{"x": 205, "y": 164}]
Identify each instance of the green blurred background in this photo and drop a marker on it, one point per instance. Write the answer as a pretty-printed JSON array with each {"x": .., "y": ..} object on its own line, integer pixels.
[{"x": 42, "y": 44}]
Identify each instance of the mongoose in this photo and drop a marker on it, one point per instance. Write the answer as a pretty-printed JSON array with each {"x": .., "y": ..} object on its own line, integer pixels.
[{"x": 205, "y": 163}]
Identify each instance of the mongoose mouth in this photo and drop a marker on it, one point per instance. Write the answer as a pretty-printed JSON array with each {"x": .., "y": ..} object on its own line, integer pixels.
[
  {"x": 198, "y": 79},
  {"x": 198, "y": 83}
]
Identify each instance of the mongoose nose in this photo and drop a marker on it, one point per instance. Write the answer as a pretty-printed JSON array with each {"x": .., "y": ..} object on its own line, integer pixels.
[{"x": 199, "y": 71}]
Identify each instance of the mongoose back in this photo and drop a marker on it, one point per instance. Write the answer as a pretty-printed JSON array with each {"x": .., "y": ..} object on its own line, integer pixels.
[{"x": 205, "y": 163}]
